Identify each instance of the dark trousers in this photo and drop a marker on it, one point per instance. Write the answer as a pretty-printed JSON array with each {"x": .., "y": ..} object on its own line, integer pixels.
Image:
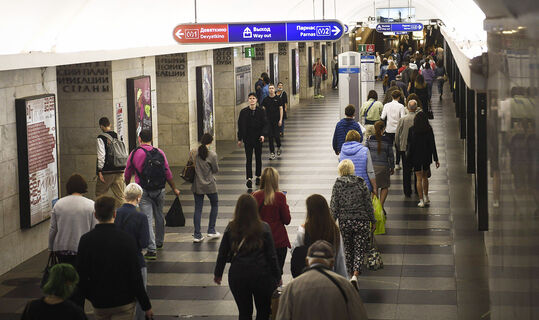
[
  {"x": 392, "y": 137},
  {"x": 244, "y": 287},
  {"x": 406, "y": 174},
  {"x": 281, "y": 256},
  {"x": 77, "y": 296},
  {"x": 249, "y": 147},
  {"x": 274, "y": 133}
]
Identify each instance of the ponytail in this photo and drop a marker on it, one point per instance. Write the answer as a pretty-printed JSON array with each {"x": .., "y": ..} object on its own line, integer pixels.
[
  {"x": 203, "y": 149},
  {"x": 379, "y": 127}
]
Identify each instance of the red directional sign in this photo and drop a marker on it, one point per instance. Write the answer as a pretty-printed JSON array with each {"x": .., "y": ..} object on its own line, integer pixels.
[
  {"x": 201, "y": 33},
  {"x": 370, "y": 48}
]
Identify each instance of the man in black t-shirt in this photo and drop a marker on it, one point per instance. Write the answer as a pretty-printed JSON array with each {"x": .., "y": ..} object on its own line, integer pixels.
[
  {"x": 284, "y": 99},
  {"x": 273, "y": 106}
]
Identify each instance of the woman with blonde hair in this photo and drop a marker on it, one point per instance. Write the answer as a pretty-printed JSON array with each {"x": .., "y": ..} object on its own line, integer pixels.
[
  {"x": 353, "y": 150},
  {"x": 274, "y": 210},
  {"x": 351, "y": 205}
]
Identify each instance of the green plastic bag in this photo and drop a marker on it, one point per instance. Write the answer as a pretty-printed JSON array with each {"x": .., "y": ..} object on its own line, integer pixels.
[{"x": 379, "y": 216}]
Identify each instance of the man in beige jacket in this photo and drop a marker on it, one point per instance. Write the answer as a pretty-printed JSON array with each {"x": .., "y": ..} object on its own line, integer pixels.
[{"x": 320, "y": 293}]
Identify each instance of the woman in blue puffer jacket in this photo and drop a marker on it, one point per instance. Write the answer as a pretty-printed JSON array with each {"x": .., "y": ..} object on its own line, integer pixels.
[{"x": 360, "y": 155}]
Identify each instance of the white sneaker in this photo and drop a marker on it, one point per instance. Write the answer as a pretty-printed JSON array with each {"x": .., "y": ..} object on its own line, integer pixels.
[
  {"x": 421, "y": 204},
  {"x": 278, "y": 152},
  {"x": 197, "y": 240},
  {"x": 496, "y": 203},
  {"x": 217, "y": 234},
  {"x": 398, "y": 167},
  {"x": 272, "y": 156},
  {"x": 354, "y": 282},
  {"x": 427, "y": 200}
]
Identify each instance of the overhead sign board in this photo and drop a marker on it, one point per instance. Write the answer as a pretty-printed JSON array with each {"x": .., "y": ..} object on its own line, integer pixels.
[
  {"x": 326, "y": 30},
  {"x": 399, "y": 27}
]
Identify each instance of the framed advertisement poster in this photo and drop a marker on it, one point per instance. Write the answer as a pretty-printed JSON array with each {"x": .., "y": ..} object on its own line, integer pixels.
[
  {"x": 139, "y": 108},
  {"x": 274, "y": 68},
  {"x": 204, "y": 101},
  {"x": 295, "y": 71},
  {"x": 243, "y": 83},
  {"x": 37, "y": 148}
]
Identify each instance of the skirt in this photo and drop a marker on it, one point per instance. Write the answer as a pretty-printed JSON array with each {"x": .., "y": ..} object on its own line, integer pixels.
[{"x": 382, "y": 176}]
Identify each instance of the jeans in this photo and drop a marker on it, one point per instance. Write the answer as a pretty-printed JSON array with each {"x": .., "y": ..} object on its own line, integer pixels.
[
  {"x": 249, "y": 147},
  {"x": 441, "y": 87},
  {"x": 317, "y": 82},
  {"x": 429, "y": 89},
  {"x": 335, "y": 79},
  {"x": 139, "y": 313},
  {"x": 274, "y": 134},
  {"x": 282, "y": 127},
  {"x": 392, "y": 137},
  {"x": 244, "y": 286},
  {"x": 152, "y": 205},
  {"x": 199, "y": 202}
]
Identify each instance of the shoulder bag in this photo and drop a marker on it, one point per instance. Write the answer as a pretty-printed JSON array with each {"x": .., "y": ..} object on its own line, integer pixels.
[
  {"x": 53, "y": 260},
  {"x": 188, "y": 173}
]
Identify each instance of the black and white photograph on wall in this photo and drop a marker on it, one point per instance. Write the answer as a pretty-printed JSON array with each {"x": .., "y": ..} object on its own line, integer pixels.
[
  {"x": 37, "y": 151},
  {"x": 204, "y": 84},
  {"x": 139, "y": 108},
  {"x": 243, "y": 83},
  {"x": 274, "y": 68}
]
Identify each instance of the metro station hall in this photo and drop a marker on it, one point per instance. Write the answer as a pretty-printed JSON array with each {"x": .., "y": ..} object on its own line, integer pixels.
[{"x": 289, "y": 160}]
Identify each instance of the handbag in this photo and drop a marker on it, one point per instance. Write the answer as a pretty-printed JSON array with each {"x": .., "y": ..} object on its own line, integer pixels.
[
  {"x": 175, "y": 217},
  {"x": 53, "y": 260},
  {"x": 373, "y": 260},
  {"x": 188, "y": 172},
  {"x": 379, "y": 216}
]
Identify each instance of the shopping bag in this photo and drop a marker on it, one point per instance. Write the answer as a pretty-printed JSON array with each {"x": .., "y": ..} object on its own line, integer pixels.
[
  {"x": 379, "y": 216},
  {"x": 373, "y": 260},
  {"x": 53, "y": 260},
  {"x": 175, "y": 217}
]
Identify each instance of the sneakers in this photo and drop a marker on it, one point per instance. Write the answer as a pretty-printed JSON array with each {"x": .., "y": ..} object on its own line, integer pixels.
[
  {"x": 421, "y": 204},
  {"x": 214, "y": 234},
  {"x": 150, "y": 255},
  {"x": 272, "y": 156},
  {"x": 354, "y": 283},
  {"x": 398, "y": 167},
  {"x": 320, "y": 96},
  {"x": 159, "y": 246},
  {"x": 197, "y": 240},
  {"x": 278, "y": 152},
  {"x": 317, "y": 96},
  {"x": 427, "y": 200},
  {"x": 249, "y": 183},
  {"x": 257, "y": 181}
]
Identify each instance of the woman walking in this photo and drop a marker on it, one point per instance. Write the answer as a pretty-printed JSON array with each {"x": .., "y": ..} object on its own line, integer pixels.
[
  {"x": 421, "y": 152},
  {"x": 371, "y": 110},
  {"x": 320, "y": 225},
  {"x": 382, "y": 158},
  {"x": 254, "y": 272},
  {"x": 420, "y": 88},
  {"x": 392, "y": 71},
  {"x": 439, "y": 75},
  {"x": 351, "y": 204},
  {"x": 204, "y": 184},
  {"x": 353, "y": 150},
  {"x": 274, "y": 210},
  {"x": 428, "y": 75}
]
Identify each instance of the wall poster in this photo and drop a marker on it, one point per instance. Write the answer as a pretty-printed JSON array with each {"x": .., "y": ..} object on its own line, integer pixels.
[
  {"x": 139, "y": 108},
  {"x": 243, "y": 83},
  {"x": 37, "y": 148},
  {"x": 274, "y": 68},
  {"x": 204, "y": 101},
  {"x": 295, "y": 71}
]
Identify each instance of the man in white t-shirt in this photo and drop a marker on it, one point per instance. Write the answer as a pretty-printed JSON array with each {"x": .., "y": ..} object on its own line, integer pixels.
[{"x": 392, "y": 113}]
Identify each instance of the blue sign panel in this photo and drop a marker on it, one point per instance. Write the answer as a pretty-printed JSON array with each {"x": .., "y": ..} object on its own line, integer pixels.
[
  {"x": 314, "y": 31},
  {"x": 399, "y": 27},
  {"x": 348, "y": 70},
  {"x": 367, "y": 59},
  {"x": 255, "y": 32}
]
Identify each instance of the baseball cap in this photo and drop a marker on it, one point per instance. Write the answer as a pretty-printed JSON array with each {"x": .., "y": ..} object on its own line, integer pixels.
[{"x": 321, "y": 249}]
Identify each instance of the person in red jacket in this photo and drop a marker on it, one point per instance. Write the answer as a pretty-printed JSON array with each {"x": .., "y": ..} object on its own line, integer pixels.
[{"x": 274, "y": 210}]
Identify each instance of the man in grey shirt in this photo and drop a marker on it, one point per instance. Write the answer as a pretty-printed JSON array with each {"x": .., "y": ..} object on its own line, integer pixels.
[{"x": 401, "y": 142}]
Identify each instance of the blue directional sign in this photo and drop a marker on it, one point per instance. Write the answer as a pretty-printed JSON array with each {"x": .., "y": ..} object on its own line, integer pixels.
[
  {"x": 314, "y": 31},
  {"x": 399, "y": 27},
  {"x": 257, "y": 32}
]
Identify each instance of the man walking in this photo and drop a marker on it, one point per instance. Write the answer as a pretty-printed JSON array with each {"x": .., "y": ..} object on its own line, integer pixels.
[
  {"x": 343, "y": 126},
  {"x": 273, "y": 106},
  {"x": 401, "y": 143},
  {"x": 392, "y": 113},
  {"x": 319, "y": 293},
  {"x": 251, "y": 129},
  {"x": 108, "y": 268},
  {"x": 318, "y": 70},
  {"x": 335, "y": 72},
  {"x": 284, "y": 99},
  {"x": 109, "y": 176},
  {"x": 151, "y": 170}
]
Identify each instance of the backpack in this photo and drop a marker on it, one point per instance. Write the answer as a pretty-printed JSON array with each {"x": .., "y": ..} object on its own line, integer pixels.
[
  {"x": 153, "y": 175},
  {"x": 117, "y": 151},
  {"x": 297, "y": 262}
]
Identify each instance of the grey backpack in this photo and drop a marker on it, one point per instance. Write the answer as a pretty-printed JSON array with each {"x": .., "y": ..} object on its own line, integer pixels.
[{"x": 118, "y": 152}]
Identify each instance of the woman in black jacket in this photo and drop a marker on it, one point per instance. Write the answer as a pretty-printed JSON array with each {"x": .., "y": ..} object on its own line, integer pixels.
[
  {"x": 420, "y": 88},
  {"x": 421, "y": 151},
  {"x": 254, "y": 272}
]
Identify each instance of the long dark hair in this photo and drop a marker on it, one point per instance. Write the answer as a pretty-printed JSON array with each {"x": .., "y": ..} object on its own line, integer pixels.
[
  {"x": 246, "y": 225},
  {"x": 414, "y": 75},
  {"x": 203, "y": 149},
  {"x": 420, "y": 82},
  {"x": 319, "y": 224},
  {"x": 421, "y": 123},
  {"x": 379, "y": 127}
]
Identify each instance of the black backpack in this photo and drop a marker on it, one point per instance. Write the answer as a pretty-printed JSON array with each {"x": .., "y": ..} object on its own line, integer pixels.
[
  {"x": 153, "y": 175},
  {"x": 297, "y": 263}
]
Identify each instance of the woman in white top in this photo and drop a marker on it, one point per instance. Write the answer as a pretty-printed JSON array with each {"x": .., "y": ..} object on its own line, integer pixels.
[
  {"x": 72, "y": 216},
  {"x": 377, "y": 63}
]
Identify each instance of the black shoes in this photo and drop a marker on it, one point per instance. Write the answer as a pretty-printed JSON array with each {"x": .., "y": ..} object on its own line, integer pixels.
[
  {"x": 150, "y": 255},
  {"x": 249, "y": 183},
  {"x": 257, "y": 181}
]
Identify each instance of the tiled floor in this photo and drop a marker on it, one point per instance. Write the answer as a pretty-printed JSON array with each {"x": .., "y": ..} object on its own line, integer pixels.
[{"x": 434, "y": 259}]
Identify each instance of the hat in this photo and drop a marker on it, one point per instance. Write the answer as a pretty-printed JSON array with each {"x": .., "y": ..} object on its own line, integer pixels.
[{"x": 321, "y": 249}]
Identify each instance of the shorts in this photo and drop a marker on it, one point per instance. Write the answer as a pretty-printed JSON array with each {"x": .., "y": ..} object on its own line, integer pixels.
[
  {"x": 382, "y": 176},
  {"x": 421, "y": 167}
]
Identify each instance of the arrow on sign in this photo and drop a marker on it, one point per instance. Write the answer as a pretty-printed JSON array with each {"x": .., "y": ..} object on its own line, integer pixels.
[
  {"x": 179, "y": 34},
  {"x": 336, "y": 30}
]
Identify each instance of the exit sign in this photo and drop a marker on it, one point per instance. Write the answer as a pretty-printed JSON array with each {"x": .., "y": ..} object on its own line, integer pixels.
[
  {"x": 250, "y": 52},
  {"x": 365, "y": 48}
]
